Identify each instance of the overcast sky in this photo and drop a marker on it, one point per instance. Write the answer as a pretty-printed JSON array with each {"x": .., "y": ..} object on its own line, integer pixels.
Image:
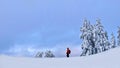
[{"x": 28, "y": 26}]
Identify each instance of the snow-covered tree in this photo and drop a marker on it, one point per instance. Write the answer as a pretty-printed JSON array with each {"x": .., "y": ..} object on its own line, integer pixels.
[
  {"x": 118, "y": 37},
  {"x": 94, "y": 38},
  {"x": 100, "y": 35},
  {"x": 87, "y": 36},
  {"x": 39, "y": 54},
  {"x": 113, "y": 43},
  {"x": 49, "y": 54}
]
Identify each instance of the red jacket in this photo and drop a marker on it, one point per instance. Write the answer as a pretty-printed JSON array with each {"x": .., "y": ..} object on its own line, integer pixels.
[{"x": 68, "y": 51}]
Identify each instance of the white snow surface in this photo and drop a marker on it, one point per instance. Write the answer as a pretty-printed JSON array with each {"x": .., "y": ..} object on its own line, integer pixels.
[{"x": 108, "y": 59}]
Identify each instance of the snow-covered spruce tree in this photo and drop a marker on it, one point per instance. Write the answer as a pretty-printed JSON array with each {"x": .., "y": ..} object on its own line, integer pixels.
[
  {"x": 86, "y": 36},
  {"x": 101, "y": 41},
  {"x": 49, "y": 54},
  {"x": 39, "y": 54},
  {"x": 113, "y": 43},
  {"x": 95, "y": 39},
  {"x": 83, "y": 36},
  {"x": 118, "y": 37},
  {"x": 91, "y": 42},
  {"x": 99, "y": 28},
  {"x": 96, "y": 32},
  {"x": 106, "y": 41}
]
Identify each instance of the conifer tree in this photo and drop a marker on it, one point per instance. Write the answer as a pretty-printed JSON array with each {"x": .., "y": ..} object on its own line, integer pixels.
[
  {"x": 113, "y": 43},
  {"x": 118, "y": 37}
]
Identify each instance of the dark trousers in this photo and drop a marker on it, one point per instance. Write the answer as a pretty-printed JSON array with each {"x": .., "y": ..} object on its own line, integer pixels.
[{"x": 67, "y": 55}]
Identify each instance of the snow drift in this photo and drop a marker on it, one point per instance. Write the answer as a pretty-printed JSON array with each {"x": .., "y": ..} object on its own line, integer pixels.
[{"x": 108, "y": 59}]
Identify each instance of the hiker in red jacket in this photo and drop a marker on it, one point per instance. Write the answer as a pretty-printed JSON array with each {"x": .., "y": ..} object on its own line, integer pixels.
[{"x": 68, "y": 52}]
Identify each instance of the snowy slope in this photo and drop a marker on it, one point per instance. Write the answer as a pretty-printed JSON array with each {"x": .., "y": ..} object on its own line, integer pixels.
[{"x": 108, "y": 59}]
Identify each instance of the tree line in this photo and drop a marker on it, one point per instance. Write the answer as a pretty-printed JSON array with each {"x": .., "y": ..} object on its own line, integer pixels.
[{"x": 95, "y": 38}]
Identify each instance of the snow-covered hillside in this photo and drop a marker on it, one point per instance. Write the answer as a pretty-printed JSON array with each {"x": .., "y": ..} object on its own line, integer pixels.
[{"x": 108, "y": 59}]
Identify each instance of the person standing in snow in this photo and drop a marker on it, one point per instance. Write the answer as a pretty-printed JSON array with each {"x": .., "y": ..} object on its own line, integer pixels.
[{"x": 68, "y": 52}]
